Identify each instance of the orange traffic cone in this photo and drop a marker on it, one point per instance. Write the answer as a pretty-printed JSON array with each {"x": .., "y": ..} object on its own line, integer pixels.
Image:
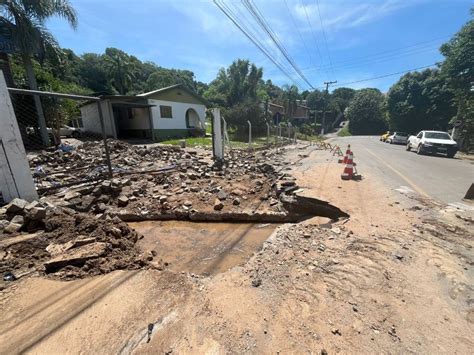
[
  {"x": 348, "y": 172},
  {"x": 348, "y": 151}
]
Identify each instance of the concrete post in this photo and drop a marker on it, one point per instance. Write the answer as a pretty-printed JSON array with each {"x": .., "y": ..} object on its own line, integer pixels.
[
  {"x": 289, "y": 131},
  {"x": 268, "y": 133},
  {"x": 15, "y": 174},
  {"x": 250, "y": 133},
  {"x": 218, "y": 146}
]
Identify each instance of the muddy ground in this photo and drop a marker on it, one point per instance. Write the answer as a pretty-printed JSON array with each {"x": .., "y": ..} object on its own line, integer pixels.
[{"x": 396, "y": 277}]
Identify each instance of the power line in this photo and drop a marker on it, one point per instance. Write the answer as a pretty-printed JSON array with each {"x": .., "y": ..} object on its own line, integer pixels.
[
  {"x": 386, "y": 75},
  {"x": 258, "y": 43},
  {"x": 229, "y": 14},
  {"x": 258, "y": 16},
  {"x": 299, "y": 33},
  {"x": 427, "y": 45},
  {"x": 325, "y": 39},
  {"x": 358, "y": 64},
  {"x": 314, "y": 36}
]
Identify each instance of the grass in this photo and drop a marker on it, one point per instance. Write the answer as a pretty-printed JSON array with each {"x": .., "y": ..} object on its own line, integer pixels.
[
  {"x": 344, "y": 132},
  {"x": 191, "y": 142},
  {"x": 207, "y": 142}
]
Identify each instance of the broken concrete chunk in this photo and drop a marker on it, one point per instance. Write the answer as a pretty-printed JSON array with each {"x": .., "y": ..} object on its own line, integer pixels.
[
  {"x": 12, "y": 228},
  {"x": 17, "y": 205},
  {"x": 36, "y": 213},
  {"x": 18, "y": 219},
  {"x": 122, "y": 201},
  {"x": 236, "y": 201},
  {"x": 218, "y": 205},
  {"x": 71, "y": 195},
  {"x": 222, "y": 195},
  {"x": 31, "y": 205},
  {"x": 163, "y": 198},
  {"x": 77, "y": 256},
  {"x": 3, "y": 224},
  {"x": 188, "y": 203}
]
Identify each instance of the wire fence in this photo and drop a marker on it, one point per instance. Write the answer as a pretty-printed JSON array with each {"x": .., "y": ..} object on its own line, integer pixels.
[
  {"x": 61, "y": 149},
  {"x": 269, "y": 135}
]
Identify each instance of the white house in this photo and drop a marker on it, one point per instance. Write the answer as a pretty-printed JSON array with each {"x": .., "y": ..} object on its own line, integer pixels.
[{"x": 170, "y": 112}]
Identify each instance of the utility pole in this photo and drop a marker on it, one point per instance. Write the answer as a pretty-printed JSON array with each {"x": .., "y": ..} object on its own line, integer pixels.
[{"x": 327, "y": 83}]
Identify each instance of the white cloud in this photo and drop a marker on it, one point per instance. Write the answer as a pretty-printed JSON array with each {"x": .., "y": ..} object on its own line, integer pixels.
[{"x": 342, "y": 14}]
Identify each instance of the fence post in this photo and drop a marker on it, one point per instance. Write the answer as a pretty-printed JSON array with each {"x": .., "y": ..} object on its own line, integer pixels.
[
  {"x": 289, "y": 131},
  {"x": 15, "y": 174},
  {"x": 104, "y": 137},
  {"x": 217, "y": 144},
  {"x": 268, "y": 133},
  {"x": 250, "y": 133}
]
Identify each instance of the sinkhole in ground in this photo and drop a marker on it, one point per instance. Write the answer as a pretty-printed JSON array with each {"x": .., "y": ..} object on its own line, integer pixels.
[
  {"x": 203, "y": 248},
  {"x": 217, "y": 242}
]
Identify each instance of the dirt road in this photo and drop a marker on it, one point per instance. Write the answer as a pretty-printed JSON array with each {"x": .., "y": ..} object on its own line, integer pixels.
[{"x": 396, "y": 277}]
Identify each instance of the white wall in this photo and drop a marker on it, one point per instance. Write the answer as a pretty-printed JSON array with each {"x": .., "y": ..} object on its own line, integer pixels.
[
  {"x": 91, "y": 119},
  {"x": 15, "y": 174},
  {"x": 179, "y": 114}
]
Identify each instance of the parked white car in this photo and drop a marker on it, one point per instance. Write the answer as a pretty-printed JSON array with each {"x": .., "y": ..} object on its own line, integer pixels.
[
  {"x": 68, "y": 131},
  {"x": 398, "y": 138},
  {"x": 433, "y": 142}
]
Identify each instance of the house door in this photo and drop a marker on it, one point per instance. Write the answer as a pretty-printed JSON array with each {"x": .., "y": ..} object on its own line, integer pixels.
[{"x": 192, "y": 119}]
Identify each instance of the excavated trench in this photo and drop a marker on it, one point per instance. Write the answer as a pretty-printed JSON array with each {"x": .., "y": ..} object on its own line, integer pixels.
[{"x": 208, "y": 244}]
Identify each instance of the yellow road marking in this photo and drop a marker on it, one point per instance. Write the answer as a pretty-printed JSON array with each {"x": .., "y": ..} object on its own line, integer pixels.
[{"x": 407, "y": 180}]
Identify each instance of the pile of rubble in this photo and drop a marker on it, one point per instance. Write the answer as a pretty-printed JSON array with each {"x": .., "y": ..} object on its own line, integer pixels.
[
  {"x": 64, "y": 243},
  {"x": 87, "y": 161},
  {"x": 167, "y": 181}
]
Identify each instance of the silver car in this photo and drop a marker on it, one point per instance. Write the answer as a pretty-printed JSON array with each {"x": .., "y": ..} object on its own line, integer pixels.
[{"x": 398, "y": 138}]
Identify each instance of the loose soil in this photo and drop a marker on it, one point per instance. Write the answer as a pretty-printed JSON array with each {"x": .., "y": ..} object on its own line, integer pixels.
[
  {"x": 202, "y": 248},
  {"x": 394, "y": 278}
]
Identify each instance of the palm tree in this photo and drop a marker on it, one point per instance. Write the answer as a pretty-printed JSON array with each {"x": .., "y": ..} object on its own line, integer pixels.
[
  {"x": 120, "y": 69},
  {"x": 26, "y": 19},
  {"x": 291, "y": 96}
]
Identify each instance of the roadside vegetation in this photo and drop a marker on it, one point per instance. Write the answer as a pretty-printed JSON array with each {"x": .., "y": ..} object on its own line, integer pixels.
[
  {"x": 430, "y": 99},
  {"x": 344, "y": 132}
]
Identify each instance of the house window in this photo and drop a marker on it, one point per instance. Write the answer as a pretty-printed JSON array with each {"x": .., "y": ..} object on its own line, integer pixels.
[{"x": 165, "y": 112}]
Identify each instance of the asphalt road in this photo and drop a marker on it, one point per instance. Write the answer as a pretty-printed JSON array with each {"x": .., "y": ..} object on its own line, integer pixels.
[{"x": 440, "y": 178}]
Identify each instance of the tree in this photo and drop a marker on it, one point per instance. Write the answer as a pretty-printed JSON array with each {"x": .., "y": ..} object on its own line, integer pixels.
[
  {"x": 420, "y": 100},
  {"x": 291, "y": 96},
  {"x": 458, "y": 67},
  {"x": 365, "y": 112},
  {"x": 119, "y": 69},
  {"x": 341, "y": 97},
  {"x": 91, "y": 72},
  {"x": 236, "y": 84},
  {"x": 26, "y": 20},
  {"x": 315, "y": 100}
]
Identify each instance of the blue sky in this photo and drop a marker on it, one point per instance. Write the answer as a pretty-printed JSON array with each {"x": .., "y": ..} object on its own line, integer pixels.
[{"x": 357, "y": 39}]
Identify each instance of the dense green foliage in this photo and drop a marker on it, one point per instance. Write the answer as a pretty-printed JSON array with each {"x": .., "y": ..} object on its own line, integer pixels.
[
  {"x": 420, "y": 100},
  {"x": 458, "y": 67},
  {"x": 431, "y": 99},
  {"x": 365, "y": 112}
]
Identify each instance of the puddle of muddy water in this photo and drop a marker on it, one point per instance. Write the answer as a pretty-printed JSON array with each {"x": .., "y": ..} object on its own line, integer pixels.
[{"x": 202, "y": 248}]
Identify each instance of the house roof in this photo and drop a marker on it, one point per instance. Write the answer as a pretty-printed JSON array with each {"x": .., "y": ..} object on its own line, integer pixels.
[
  {"x": 303, "y": 106},
  {"x": 180, "y": 86},
  {"x": 273, "y": 104}
]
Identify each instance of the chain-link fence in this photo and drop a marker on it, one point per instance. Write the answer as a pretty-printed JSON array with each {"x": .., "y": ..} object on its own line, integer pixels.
[
  {"x": 251, "y": 137},
  {"x": 61, "y": 149}
]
